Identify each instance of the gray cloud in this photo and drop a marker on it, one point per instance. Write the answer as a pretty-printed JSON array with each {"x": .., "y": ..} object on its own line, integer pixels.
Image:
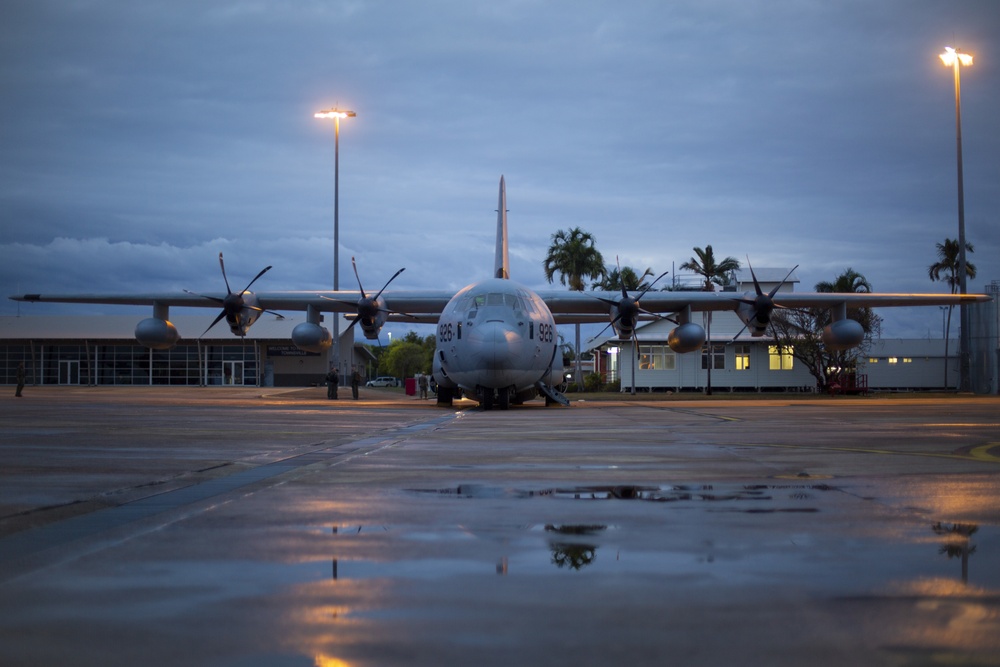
[{"x": 141, "y": 139}]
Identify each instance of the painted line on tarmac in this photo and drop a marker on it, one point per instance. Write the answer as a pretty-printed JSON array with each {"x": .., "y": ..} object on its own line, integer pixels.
[
  {"x": 973, "y": 455},
  {"x": 19, "y": 552},
  {"x": 695, "y": 413},
  {"x": 982, "y": 453}
]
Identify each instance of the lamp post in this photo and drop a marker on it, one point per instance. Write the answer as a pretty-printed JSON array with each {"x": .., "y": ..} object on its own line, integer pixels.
[
  {"x": 955, "y": 60},
  {"x": 336, "y": 115}
]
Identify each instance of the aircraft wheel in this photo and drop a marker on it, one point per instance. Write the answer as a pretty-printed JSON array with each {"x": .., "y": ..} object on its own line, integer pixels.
[
  {"x": 445, "y": 397},
  {"x": 503, "y": 398},
  {"x": 487, "y": 401}
]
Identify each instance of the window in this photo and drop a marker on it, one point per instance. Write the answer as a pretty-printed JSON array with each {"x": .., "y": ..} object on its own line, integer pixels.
[
  {"x": 742, "y": 357},
  {"x": 893, "y": 360},
  {"x": 656, "y": 358},
  {"x": 779, "y": 359},
  {"x": 717, "y": 355}
]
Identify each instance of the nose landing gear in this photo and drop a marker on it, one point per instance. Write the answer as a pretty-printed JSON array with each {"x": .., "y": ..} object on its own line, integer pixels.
[{"x": 490, "y": 398}]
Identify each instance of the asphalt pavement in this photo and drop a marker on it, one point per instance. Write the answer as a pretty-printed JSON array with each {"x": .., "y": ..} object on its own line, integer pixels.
[{"x": 249, "y": 526}]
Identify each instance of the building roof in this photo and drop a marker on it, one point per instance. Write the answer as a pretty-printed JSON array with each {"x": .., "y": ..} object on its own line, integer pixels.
[{"x": 122, "y": 327}]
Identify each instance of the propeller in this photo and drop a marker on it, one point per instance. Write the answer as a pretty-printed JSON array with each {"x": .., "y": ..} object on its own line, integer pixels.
[
  {"x": 628, "y": 306},
  {"x": 763, "y": 304},
  {"x": 629, "y": 311},
  {"x": 233, "y": 303},
  {"x": 368, "y": 307}
]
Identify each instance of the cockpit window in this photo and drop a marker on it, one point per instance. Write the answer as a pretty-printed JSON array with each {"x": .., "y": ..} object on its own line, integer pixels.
[{"x": 492, "y": 300}]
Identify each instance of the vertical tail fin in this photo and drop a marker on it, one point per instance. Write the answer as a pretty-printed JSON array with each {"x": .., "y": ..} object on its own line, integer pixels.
[{"x": 501, "y": 262}]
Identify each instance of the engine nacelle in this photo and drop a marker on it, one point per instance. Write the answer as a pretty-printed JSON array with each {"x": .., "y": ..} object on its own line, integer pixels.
[
  {"x": 687, "y": 337},
  {"x": 372, "y": 315},
  {"x": 843, "y": 334},
  {"x": 311, "y": 337},
  {"x": 156, "y": 333}
]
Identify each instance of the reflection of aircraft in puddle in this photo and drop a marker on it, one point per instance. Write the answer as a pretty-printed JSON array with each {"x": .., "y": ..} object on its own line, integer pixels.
[
  {"x": 574, "y": 555},
  {"x": 958, "y": 544}
]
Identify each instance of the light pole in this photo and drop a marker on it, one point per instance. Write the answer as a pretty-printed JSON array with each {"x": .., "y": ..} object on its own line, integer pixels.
[
  {"x": 956, "y": 60},
  {"x": 336, "y": 114}
]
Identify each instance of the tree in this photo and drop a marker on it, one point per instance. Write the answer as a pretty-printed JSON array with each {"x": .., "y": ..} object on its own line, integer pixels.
[
  {"x": 706, "y": 266},
  {"x": 946, "y": 269},
  {"x": 801, "y": 331},
  {"x": 574, "y": 256},
  {"x": 409, "y": 356},
  {"x": 626, "y": 277},
  {"x": 714, "y": 273}
]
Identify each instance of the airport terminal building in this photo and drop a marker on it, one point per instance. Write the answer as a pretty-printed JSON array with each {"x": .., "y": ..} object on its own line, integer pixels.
[{"x": 102, "y": 350}]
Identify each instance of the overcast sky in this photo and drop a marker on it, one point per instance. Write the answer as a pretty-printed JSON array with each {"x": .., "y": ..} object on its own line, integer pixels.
[{"x": 140, "y": 139}]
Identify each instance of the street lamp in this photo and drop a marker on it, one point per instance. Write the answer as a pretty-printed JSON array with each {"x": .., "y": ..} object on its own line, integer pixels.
[
  {"x": 336, "y": 115},
  {"x": 956, "y": 60}
]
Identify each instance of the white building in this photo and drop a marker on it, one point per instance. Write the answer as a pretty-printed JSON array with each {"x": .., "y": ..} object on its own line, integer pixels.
[{"x": 742, "y": 363}]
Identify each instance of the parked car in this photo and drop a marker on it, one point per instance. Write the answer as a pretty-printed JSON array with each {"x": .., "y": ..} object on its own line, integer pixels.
[{"x": 383, "y": 381}]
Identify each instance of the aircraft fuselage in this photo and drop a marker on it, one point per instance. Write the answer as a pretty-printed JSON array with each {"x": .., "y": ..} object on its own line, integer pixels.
[{"x": 496, "y": 340}]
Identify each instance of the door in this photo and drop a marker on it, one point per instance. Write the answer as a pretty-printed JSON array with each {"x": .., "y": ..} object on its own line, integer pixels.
[
  {"x": 69, "y": 371},
  {"x": 232, "y": 372}
]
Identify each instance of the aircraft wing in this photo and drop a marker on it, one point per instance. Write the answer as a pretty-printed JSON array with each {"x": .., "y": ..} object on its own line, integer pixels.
[
  {"x": 426, "y": 302},
  {"x": 565, "y": 304}
]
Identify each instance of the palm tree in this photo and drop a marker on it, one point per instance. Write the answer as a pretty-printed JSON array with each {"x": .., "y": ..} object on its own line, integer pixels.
[
  {"x": 714, "y": 273},
  {"x": 706, "y": 266},
  {"x": 626, "y": 277},
  {"x": 848, "y": 281},
  {"x": 947, "y": 264},
  {"x": 574, "y": 257}
]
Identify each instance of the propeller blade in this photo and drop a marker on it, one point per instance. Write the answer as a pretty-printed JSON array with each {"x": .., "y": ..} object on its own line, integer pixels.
[
  {"x": 222, "y": 265},
  {"x": 358, "y": 278},
  {"x": 775, "y": 290},
  {"x": 621, "y": 281},
  {"x": 262, "y": 272},
  {"x": 756, "y": 285},
  {"x": 389, "y": 281},
  {"x": 204, "y": 296},
  {"x": 651, "y": 285},
  {"x": 265, "y": 310},
  {"x": 214, "y": 322}
]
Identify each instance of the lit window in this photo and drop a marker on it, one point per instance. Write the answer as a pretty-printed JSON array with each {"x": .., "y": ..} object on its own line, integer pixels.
[
  {"x": 907, "y": 360},
  {"x": 656, "y": 358},
  {"x": 872, "y": 360},
  {"x": 893, "y": 360},
  {"x": 779, "y": 360},
  {"x": 742, "y": 357}
]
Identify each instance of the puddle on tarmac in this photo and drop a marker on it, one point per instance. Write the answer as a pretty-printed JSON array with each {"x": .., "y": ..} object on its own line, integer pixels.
[
  {"x": 929, "y": 552},
  {"x": 657, "y": 494}
]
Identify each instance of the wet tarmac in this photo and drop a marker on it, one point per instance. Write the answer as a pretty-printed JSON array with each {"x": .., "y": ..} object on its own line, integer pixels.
[{"x": 243, "y": 527}]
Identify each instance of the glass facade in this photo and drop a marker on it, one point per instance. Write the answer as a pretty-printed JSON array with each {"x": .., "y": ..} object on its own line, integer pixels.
[{"x": 122, "y": 364}]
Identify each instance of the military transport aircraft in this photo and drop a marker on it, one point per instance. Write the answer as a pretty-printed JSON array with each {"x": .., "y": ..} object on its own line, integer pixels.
[{"x": 496, "y": 340}]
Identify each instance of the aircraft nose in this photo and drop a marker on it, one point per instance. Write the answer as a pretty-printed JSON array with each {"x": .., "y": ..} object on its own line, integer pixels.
[{"x": 496, "y": 343}]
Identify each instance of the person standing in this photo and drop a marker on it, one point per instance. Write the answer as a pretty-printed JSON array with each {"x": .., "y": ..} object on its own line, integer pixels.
[
  {"x": 422, "y": 383},
  {"x": 355, "y": 382},
  {"x": 20, "y": 379},
  {"x": 332, "y": 380}
]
